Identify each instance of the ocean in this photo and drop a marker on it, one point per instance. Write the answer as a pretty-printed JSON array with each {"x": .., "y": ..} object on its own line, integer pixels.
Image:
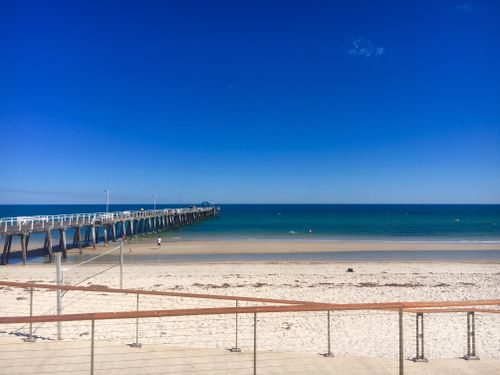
[
  {"x": 310, "y": 222},
  {"x": 352, "y": 222},
  {"x": 321, "y": 222}
]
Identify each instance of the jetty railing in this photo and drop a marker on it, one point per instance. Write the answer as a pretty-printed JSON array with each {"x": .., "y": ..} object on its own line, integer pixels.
[
  {"x": 41, "y": 222},
  {"x": 185, "y": 333}
]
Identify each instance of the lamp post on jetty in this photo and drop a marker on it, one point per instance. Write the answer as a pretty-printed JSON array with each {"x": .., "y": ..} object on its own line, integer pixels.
[
  {"x": 107, "y": 199},
  {"x": 154, "y": 201}
]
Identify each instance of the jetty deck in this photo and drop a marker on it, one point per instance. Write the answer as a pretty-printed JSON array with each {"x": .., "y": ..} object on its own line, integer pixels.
[{"x": 87, "y": 226}]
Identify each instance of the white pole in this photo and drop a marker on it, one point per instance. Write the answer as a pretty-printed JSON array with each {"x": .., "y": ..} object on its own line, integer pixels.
[
  {"x": 254, "y": 343},
  {"x": 401, "y": 343},
  {"x": 107, "y": 199},
  {"x": 59, "y": 280},
  {"x": 121, "y": 265},
  {"x": 92, "y": 347}
]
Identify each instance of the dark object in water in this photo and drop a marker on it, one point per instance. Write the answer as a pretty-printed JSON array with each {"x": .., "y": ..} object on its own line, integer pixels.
[{"x": 350, "y": 270}]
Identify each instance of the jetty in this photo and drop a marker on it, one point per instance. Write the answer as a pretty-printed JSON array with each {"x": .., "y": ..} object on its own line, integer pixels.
[{"x": 86, "y": 227}]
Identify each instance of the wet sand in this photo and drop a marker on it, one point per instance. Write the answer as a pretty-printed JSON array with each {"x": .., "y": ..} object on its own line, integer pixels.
[{"x": 249, "y": 247}]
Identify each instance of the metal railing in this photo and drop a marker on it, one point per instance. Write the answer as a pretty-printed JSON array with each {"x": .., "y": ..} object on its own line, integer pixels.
[
  {"x": 247, "y": 322},
  {"x": 55, "y": 221}
]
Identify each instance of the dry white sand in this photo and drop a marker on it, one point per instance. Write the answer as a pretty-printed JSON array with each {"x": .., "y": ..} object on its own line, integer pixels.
[{"x": 362, "y": 333}]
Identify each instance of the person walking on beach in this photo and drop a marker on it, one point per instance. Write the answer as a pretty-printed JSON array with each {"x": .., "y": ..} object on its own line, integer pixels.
[{"x": 158, "y": 242}]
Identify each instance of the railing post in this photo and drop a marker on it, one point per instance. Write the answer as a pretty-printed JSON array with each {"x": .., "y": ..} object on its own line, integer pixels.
[
  {"x": 92, "y": 347},
  {"x": 471, "y": 337},
  {"x": 31, "y": 313},
  {"x": 59, "y": 280},
  {"x": 329, "y": 352},
  {"x": 30, "y": 337},
  {"x": 121, "y": 265},
  {"x": 401, "y": 343},
  {"x": 254, "y": 343},
  {"x": 136, "y": 344},
  {"x": 236, "y": 349},
  {"x": 419, "y": 337}
]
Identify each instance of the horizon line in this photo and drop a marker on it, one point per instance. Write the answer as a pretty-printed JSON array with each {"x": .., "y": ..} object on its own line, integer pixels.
[{"x": 251, "y": 203}]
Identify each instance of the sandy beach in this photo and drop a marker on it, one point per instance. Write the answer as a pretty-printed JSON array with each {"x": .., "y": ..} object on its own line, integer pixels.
[
  {"x": 353, "y": 333},
  {"x": 363, "y": 342}
]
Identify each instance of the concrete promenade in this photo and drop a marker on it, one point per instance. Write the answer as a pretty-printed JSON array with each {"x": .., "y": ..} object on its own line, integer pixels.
[{"x": 60, "y": 357}]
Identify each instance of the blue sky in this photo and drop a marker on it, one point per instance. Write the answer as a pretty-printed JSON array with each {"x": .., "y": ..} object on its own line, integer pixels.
[{"x": 296, "y": 101}]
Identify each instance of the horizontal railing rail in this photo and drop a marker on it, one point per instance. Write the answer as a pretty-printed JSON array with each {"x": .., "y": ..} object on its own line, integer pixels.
[
  {"x": 222, "y": 311},
  {"x": 14, "y": 284},
  {"x": 287, "y": 306},
  {"x": 30, "y": 222},
  {"x": 456, "y": 310}
]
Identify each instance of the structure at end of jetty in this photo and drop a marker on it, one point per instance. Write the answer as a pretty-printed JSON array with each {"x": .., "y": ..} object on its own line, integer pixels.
[{"x": 86, "y": 227}]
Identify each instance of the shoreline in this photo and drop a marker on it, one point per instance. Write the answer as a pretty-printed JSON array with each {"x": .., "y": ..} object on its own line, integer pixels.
[
  {"x": 144, "y": 250},
  {"x": 283, "y": 247}
]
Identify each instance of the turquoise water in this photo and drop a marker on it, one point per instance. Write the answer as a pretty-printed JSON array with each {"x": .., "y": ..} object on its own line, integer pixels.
[
  {"x": 362, "y": 222},
  {"x": 461, "y": 223},
  {"x": 321, "y": 222}
]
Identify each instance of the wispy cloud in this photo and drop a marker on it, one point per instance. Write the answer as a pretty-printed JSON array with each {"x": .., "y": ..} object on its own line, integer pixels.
[
  {"x": 467, "y": 7},
  {"x": 364, "y": 47}
]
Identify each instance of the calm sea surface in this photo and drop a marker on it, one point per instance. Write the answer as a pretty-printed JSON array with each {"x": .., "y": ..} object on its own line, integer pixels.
[
  {"x": 321, "y": 222},
  {"x": 461, "y": 223}
]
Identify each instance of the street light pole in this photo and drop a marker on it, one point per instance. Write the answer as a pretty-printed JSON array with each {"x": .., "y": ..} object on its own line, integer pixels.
[
  {"x": 107, "y": 200},
  {"x": 154, "y": 201}
]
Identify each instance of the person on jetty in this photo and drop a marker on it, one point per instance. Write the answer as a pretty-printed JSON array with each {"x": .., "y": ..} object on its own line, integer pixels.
[{"x": 158, "y": 242}]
